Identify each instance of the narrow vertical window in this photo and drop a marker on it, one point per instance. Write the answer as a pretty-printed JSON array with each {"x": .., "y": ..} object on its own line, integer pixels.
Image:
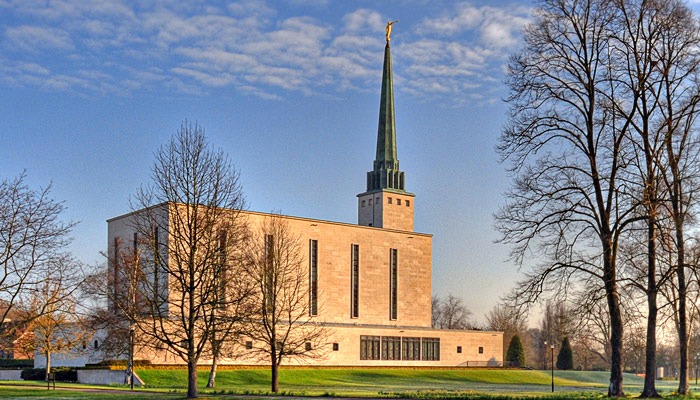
[
  {"x": 355, "y": 281},
  {"x": 313, "y": 277},
  {"x": 134, "y": 272},
  {"x": 221, "y": 250},
  {"x": 269, "y": 271},
  {"x": 156, "y": 243},
  {"x": 117, "y": 272},
  {"x": 393, "y": 283},
  {"x": 221, "y": 270},
  {"x": 159, "y": 285}
]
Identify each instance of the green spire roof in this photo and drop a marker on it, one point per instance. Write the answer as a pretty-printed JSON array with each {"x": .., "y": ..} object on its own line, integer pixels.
[
  {"x": 386, "y": 133},
  {"x": 386, "y": 173}
]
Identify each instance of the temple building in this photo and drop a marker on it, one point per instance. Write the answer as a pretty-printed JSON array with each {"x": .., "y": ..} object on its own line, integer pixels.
[{"x": 370, "y": 282}]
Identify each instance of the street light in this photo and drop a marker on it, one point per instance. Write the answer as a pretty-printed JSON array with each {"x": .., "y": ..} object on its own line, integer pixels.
[
  {"x": 131, "y": 356},
  {"x": 552, "y": 347}
]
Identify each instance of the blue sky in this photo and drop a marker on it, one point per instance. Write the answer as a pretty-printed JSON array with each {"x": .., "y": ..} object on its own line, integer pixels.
[{"x": 290, "y": 90}]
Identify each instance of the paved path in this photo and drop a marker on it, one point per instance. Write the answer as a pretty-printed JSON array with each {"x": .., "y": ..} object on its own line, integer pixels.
[{"x": 155, "y": 394}]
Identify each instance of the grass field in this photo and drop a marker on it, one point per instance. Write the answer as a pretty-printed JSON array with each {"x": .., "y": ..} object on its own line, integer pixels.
[{"x": 404, "y": 383}]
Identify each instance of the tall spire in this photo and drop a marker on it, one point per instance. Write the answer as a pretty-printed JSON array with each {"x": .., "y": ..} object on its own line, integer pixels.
[
  {"x": 386, "y": 173},
  {"x": 386, "y": 203}
]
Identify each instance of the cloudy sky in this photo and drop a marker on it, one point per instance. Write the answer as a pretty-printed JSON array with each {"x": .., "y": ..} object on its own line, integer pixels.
[{"x": 289, "y": 89}]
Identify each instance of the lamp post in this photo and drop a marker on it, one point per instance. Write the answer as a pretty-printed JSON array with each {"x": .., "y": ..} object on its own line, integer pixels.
[
  {"x": 696, "y": 368},
  {"x": 551, "y": 346},
  {"x": 131, "y": 356}
]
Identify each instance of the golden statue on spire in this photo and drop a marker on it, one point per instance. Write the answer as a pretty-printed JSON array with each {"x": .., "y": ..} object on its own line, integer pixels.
[{"x": 388, "y": 29}]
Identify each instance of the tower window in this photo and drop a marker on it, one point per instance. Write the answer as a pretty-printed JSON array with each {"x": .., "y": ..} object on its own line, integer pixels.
[
  {"x": 389, "y": 200},
  {"x": 363, "y": 203},
  {"x": 370, "y": 202},
  {"x": 398, "y": 202},
  {"x": 408, "y": 203}
]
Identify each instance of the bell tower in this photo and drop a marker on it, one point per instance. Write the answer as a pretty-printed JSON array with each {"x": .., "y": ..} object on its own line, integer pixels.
[{"x": 386, "y": 203}]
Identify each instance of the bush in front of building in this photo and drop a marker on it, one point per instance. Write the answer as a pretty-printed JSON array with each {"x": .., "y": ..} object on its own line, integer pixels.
[
  {"x": 516, "y": 354},
  {"x": 61, "y": 374}
]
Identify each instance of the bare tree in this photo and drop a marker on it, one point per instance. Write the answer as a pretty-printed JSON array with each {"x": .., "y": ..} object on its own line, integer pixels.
[
  {"x": 567, "y": 152},
  {"x": 183, "y": 222},
  {"x": 657, "y": 92},
  {"x": 31, "y": 235},
  {"x": 98, "y": 293},
  {"x": 235, "y": 303},
  {"x": 49, "y": 310},
  {"x": 451, "y": 313},
  {"x": 679, "y": 64},
  {"x": 283, "y": 327},
  {"x": 436, "y": 311},
  {"x": 508, "y": 320}
]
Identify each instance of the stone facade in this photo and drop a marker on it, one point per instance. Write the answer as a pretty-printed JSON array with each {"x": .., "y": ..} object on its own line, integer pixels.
[
  {"x": 386, "y": 209},
  {"x": 373, "y": 318},
  {"x": 374, "y": 279}
]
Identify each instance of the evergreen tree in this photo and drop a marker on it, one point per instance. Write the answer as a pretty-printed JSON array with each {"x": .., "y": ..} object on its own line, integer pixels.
[
  {"x": 516, "y": 354},
  {"x": 565, "y": 358}
]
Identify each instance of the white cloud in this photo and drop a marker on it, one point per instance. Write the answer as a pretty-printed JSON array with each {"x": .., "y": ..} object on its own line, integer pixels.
[
  {"x": 364, "y": 20},
  {"x": 195, "y": 46},
  {"x": 35, "y": 38},
  {"x": 495, "y": 27}
]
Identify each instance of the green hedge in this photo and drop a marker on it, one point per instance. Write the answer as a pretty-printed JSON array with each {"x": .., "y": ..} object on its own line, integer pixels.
[
  {"x": 62, "y": 374},
  {"x": 15, "y": 364},
  {"x": 118, "y": 363}
]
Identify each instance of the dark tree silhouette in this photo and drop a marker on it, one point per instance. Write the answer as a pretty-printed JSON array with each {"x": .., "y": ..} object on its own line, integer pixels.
[
  {"x": 565, "y": 357},
  {"x": 516, "y": 353}
]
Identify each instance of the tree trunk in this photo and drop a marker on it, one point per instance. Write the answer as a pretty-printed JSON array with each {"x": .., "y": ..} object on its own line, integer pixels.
[
  {"x": 649, "y": 389},
  {"x": 616, "y": 327},
  {"x": 48, "y": 364},
  {"x": 212, "y": 372},
  {"x": 274, "y": 372},
  {"x": 682, "y": 321},
  {"x": 192, "y": 379}
]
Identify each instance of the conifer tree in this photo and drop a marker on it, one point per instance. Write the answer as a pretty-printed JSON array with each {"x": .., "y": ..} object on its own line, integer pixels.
[
  {"x": 565, "y": 358},
  {"x": 516, "y": 354}
]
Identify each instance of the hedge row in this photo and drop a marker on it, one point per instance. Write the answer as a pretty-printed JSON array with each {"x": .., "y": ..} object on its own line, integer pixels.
[
  {"x": 15, "y": 364},
  {"x": 61, "y": 374}
]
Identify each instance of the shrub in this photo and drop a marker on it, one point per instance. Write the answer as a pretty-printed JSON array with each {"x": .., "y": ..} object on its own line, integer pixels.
[
  {"x": 516, "y": 354},
  {"x": 16, "y": 363},
  {"x": 565, "y": 358},
  {"x": 61, "y": 374}
]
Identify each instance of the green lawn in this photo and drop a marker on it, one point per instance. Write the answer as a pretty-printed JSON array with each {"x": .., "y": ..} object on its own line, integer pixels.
[
  {"x": 369, "y": 382},
  {"x": 405, "y": 383}
]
